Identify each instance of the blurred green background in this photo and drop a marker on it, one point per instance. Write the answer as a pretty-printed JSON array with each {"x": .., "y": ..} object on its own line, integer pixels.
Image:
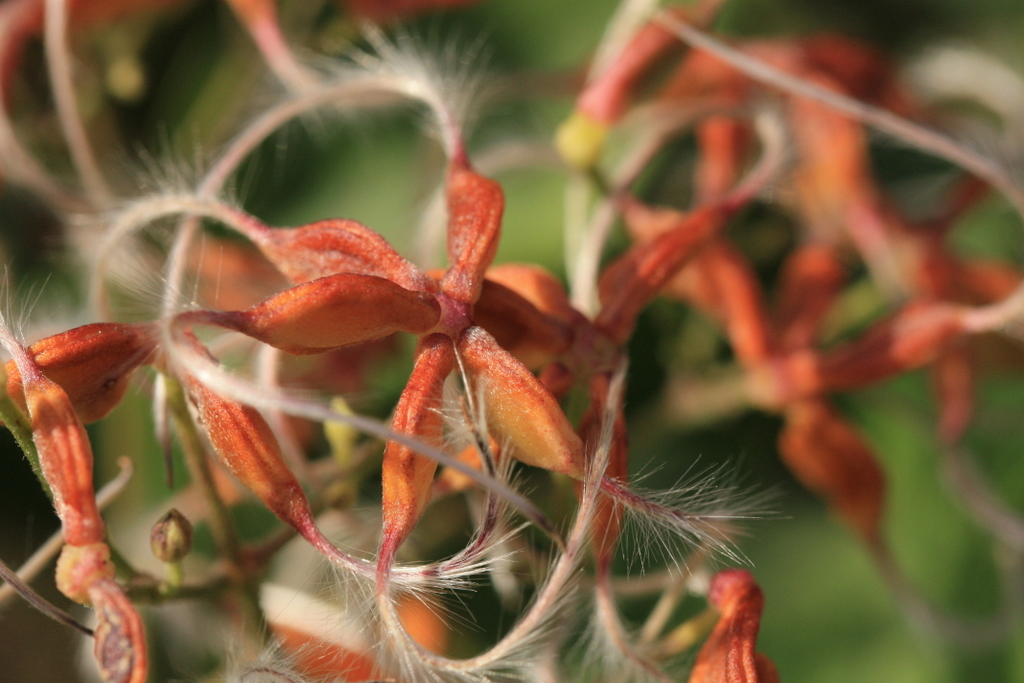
[{"x": 829, "y": 617}]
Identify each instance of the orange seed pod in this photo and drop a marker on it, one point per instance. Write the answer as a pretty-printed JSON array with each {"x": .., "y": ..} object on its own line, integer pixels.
[
  {"x": 331, "y": 312},
  {"x": 830, "y": 458},
  {"x": 519, "y": 410},
  {"x": 406, "y": 476},
  {"x": 528, "y": 334},
  {"x": 334, "y": 246}
]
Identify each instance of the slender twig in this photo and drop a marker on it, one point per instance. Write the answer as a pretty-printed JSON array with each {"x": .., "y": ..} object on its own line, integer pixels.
[
  {"x": 58, "y": 62},
  {"x": 38, "y": 601},
  {"x": 900, "y": 128}
]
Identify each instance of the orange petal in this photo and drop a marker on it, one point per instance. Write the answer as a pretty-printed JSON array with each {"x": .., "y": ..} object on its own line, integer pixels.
[
  {"x": 811, "y": 279},
  {"x": 452, "y": 480},
  {"x": 539, "y": 287},
  {"x": 984, "y": 282},
  {"x": 831, "y": 459},
  {"x": 475, "y": 206},
  {"x": 120, "y": 640},
  {"x": 92, "y": 364},
  {"x": 912, "y": 338},
  {"x": 629, "y": 283},
  {"x": 519, "y": 409},
  {"x": 606, "y": 98},
  {"x": 533, "y": 337},
  {"x": 407, "y": 476},
  {"x": 331, "y": 312},
  {"x": 247, "y": 446},
  {"x": 65, "y": 456},
  {"x": 742, "y": 301},
  {"x": 336, "y": 246},
  {"x": 320, "y": 658},
  {"x": 728, "y": 655},
  {"x": 724, "y": 143}
]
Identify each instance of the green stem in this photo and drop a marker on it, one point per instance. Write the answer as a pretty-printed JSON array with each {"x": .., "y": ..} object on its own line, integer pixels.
[
  {"x": 175, "y": 577},
  {"x": 12, "y": 416},
  {"x": 220, "y": 522},
  {"x": 155, "y": 593},
  {"x": 123, "y": 567}
]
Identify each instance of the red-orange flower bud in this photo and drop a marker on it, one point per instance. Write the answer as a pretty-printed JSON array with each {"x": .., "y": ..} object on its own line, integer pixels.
[
  {"x": 475, "y": 206},
  {"x": 92, "y": 364},
  {"x": 331, "y": 312},
  {"x": 406, "y": 476},
  {"x": 519, "y": 410},
  {"x": 728, "y": 655},
  {"x": 170, "y": 539},
  {"x": 334, "y": 246}
]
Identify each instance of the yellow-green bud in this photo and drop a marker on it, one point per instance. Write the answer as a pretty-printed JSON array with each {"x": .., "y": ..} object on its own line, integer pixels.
[{"x": 171, "y": 537}]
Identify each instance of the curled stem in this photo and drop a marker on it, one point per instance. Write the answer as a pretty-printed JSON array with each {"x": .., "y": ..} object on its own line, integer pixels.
[{"x": 58, "y": 62}]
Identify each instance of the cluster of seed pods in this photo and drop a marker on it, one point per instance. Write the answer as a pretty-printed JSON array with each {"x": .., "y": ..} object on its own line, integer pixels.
[
  {"x": 521, "y": 348},
  {"x": 940, "y": 299}
]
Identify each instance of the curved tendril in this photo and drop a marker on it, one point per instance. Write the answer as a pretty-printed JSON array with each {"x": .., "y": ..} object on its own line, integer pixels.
[
  {"x": 58, "y": 62},
  {"x": 550, "y": 595}
]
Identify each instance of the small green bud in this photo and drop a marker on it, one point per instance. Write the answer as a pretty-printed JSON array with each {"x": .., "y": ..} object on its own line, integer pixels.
[{"x": 171, "y": 537}]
